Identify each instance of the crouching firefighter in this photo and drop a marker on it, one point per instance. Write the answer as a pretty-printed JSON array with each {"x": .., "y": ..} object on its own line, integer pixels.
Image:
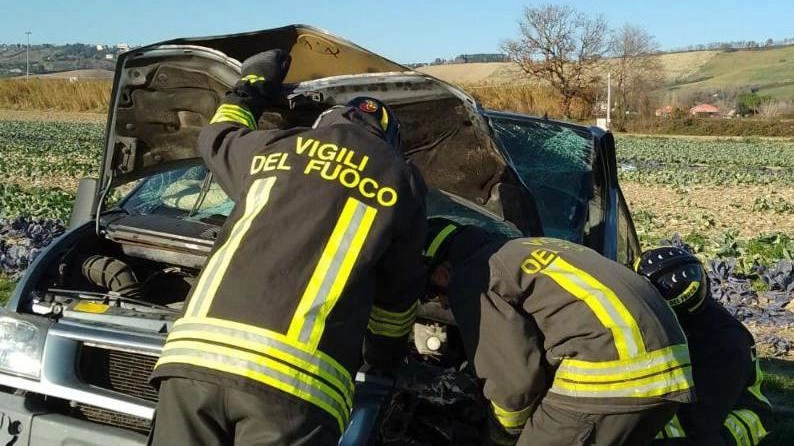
[
  {"x": 573, "y": 348},
  {"x": 321, "y": 253},
  {"x": 730, "y": 407}
]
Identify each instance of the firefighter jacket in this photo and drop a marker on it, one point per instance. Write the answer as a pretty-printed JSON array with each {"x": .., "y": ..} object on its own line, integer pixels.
[
  {"x": 322, "y": 249},
  {"x": 547, "y": 319},
  {"x": 730, "y": 408}
]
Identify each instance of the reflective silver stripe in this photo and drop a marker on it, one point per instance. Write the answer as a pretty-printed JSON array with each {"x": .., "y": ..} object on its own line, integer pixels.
[
  {"x": 737, "y": 430},
  {"x": 326, "y": 369},
  {"x": 677, "y": 356},
  {"x": 753, "y": 423},
  {"x": 665, "y": 384},
  {"x": 256, "y": 199},
  {"x": 674, "y": 429},
  {"x": 332, "y": 273},
  {"x": 291, "y": 381}
]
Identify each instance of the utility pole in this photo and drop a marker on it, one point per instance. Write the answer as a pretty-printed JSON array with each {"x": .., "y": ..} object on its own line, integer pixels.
[
  {"x": 609, "y": 99},
  {"x": 27, "y": 57}
]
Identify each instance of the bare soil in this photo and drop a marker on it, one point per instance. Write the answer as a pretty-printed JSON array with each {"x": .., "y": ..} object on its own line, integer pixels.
[
  {"x": 28, "y": 115},
  {"x": 708, "y": 210}
]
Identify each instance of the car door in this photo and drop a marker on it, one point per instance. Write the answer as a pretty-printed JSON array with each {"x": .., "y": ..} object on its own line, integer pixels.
[{"x": 571, "y": 172}]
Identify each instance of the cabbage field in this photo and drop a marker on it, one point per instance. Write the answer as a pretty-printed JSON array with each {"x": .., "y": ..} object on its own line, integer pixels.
[{"x": 729, "y": 200}]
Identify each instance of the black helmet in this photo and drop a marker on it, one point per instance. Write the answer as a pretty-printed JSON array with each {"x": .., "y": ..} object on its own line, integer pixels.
[
  {"x": 440, "y": 232},
  {"x": 678, "y": 275},
  {"x": 369, "y": 111},
  {"x": 383, "y": 114}
]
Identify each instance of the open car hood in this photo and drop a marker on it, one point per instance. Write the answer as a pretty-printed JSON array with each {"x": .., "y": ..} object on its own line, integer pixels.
[{"x": 165, "y": 92}]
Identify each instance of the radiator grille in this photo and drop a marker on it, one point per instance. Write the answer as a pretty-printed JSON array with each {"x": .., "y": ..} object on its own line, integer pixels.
[
  {"x": 122, "y": 372},
  {"x": 113, "y": 418}
]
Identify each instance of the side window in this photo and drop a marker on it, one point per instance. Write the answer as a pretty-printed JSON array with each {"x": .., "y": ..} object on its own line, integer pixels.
[
  {"x": 628, "y": 246},
  {"x": 555, "y": 164}
]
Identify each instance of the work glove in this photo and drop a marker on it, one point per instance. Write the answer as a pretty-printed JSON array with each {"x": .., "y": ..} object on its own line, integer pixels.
[{"x": 260, "y": 83}]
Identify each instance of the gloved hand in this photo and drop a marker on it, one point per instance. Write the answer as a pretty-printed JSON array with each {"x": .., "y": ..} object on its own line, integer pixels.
[
  {"x": 260, "y": 83},
  {"x": 266, "y": 70}
]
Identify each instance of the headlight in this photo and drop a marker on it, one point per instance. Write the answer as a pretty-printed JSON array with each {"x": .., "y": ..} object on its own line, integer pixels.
[{"x": 22, "y": 343}]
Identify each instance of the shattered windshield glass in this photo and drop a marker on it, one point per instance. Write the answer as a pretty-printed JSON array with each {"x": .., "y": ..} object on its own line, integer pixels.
[
  {"x": 555, "y": 163},
  {"x": 187, "y": 192}
]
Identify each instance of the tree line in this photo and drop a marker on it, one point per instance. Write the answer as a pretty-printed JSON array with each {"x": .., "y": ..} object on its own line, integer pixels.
[{"x": 574, "y": 52}]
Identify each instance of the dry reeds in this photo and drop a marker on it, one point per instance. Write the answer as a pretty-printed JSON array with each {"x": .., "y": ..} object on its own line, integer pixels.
[
  {"x": 528, "y": 99},
  {"x": 55, "y": 94}
]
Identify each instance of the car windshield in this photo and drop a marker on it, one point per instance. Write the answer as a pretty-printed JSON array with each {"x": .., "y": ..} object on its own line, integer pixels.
[
  {"x": 187, "y": 192},
  {"x": 555, "y": 163}
]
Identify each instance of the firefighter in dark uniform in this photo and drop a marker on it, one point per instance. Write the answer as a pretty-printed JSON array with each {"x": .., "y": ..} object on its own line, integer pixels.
[
  {"x": 730, "y": 407},
  {"x": 573, "y": 348},
  {"x": 322, "y": 253}
]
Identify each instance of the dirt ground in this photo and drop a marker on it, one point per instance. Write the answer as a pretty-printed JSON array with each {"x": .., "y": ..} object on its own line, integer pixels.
[
  {"x": 708, "y": 210},
  {"x": 25, "y": 115}
]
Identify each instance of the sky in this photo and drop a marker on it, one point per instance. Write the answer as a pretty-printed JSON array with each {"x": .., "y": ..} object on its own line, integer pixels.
[{"x": 405, "y": 31}]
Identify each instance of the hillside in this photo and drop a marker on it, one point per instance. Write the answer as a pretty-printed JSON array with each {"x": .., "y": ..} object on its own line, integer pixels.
[
  {"x": 769, "y": 71},
  {"x": 56, "y": 58}
]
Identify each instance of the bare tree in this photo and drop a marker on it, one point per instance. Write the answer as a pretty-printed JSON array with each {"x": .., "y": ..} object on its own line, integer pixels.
[
  {"x": 560, "y": 45},
  {"x": 636, "y": 69}
]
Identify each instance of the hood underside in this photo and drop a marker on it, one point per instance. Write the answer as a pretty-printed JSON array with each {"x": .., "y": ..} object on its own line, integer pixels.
[{"x": 165, "y": 93}]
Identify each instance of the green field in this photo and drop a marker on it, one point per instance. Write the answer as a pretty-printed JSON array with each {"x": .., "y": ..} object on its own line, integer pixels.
[
  {"x": 770, "y": 71},
  {"x": 725, "y": 196}
]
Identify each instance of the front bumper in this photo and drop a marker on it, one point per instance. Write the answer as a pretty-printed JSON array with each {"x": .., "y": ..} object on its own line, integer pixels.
[{"x": 24, "y": 422}]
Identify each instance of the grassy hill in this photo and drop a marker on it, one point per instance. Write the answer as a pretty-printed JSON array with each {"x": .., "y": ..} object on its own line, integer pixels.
[
  {"x": 769, "y": 71},
  {"x": 55, "y": 58}
]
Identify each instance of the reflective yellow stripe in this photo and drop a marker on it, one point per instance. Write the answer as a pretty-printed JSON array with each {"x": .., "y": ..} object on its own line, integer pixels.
[
  {"x": 384, "y": 119},
  {"x": 753, "y": 424},
  {"x": 436, "y": 243},
  {"x": 395, "y": 317},
  {"x": 656, "y": 385},
  {"x": 234, "y": 113},
  {"x": 389, "y": 330},
  {"x": 511, "y": 419},
  {"x": 260, "y": 369},
  {"x": 271, "y": 345},
  {"x": 244, "y": 330},
  {"x": 737, "y": 430},
  {"x": 393, "y": 324},
  {"x": 641, "y": 366},
  {"x": 607, "y": 307},
  {"x": 686, "y": 294},
  {"x": 755, "y": 389},
  {"x": 212, "y": 274},
  {"x": 253, "y": 78},
  {"x": 332, "y": 272}
]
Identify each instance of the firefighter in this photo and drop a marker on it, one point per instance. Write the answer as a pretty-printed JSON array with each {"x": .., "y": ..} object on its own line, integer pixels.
[
  {"x": 573, "y": 348},
  {"x": 322, "y": 253},
  {"x": 730, "y": 408}
]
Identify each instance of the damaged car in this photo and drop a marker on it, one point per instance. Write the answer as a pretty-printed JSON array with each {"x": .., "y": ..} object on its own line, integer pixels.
[{"x": 85, "y": 325}]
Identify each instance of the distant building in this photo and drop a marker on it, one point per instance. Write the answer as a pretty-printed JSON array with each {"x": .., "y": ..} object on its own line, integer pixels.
[
  {"x": 109, "y": 56},
  {"x": 123, "y": 46},
  {"x": 481, "y": 58},
  {"x": 704, "y": 111},
  {"x": 664, "y": 112},
  {"x": 100, "y": 47}
]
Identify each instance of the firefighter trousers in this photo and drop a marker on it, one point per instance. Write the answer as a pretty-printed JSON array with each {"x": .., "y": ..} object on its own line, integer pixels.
[
  {"x": 552, "y": 425},
  {"x": 198, "y": 413}
]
